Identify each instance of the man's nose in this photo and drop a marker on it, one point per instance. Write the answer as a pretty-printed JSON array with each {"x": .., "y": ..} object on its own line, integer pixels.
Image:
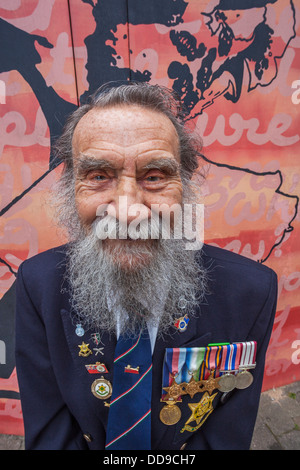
[{"x": 130, "y": 201}]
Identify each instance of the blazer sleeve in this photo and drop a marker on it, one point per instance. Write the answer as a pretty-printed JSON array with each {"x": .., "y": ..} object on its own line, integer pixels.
[
  {"x": 231, "y": 425},
  {"x": 47, "y": 421}
]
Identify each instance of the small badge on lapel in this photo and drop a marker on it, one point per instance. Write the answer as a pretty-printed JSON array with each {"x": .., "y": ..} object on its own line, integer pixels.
[
  {"x": 101, "y": 388},
  {"x": 79, "y": 330},
  {"x": 84, "y": 350},
  {"x": 97, "y": 368},
  {"x": 182, "y": 323}
]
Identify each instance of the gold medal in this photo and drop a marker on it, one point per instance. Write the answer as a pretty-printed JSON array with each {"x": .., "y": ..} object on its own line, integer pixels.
[
  {"x": 101, "y": 388},
  {"x": 170, "y": 414}
]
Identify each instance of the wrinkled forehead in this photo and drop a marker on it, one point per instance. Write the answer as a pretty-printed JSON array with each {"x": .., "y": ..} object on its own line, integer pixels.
[{"x": 125, "y": 126}]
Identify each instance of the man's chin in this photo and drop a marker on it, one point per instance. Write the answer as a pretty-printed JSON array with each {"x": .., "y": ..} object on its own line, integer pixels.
[{"x": 129, "y": 255}]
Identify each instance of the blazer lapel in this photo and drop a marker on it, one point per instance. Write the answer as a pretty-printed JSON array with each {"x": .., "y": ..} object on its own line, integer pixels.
[{"x": 102, "y": 351}]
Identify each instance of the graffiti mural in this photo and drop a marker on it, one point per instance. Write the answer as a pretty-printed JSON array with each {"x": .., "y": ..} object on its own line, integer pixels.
[{"x": 235, "y": 65}]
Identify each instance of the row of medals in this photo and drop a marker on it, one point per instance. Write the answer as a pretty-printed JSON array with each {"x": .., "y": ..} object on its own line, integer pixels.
[{"x": 171, "y": 413}]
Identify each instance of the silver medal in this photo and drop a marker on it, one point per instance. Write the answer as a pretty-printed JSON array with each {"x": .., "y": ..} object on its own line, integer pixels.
[
  {"x": 244, "y": 379},
  {"x": 227, "y": 382}
]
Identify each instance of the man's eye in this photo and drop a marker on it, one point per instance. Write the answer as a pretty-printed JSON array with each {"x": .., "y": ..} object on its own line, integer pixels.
[
  {"x": 153, "y": 178},
  {"x": 100, "y": 178}
]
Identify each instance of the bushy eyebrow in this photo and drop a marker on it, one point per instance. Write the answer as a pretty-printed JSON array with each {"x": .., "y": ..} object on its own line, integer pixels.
[
  {"x": 168, "y": 165},
  {"x": 87, "y": 163}
]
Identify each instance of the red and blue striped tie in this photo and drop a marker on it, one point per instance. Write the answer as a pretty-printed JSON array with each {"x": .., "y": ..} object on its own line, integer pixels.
[{"x": 129, "y": 418}]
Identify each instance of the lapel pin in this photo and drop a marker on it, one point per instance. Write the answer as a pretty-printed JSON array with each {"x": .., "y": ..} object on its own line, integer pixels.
[
  {"x": 132, "y": 370},
  {"x": 101, "y": 388},
  {"x": 79, "y": 330},
  {"x": 96, "y": 338},
  {"x": 84, "y": 350},
  {"x": 98, "y": 351},
  {"x": 96, "y": 368},
  {"x": 182, "y": 323}
]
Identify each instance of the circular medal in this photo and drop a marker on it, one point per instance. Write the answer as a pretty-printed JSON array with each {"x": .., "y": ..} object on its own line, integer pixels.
[
  {"x": 101, "y": 388},
  {"x": 226, "y": 383},
  {"x": 244, "y": 379},
  {"x": 170, "y": 414}
]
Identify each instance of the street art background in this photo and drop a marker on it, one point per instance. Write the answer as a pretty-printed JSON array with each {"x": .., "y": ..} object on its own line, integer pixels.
[{"x": 235, "y": 64}]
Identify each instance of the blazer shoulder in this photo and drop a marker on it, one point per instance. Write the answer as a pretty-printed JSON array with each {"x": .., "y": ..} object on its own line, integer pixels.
[
  {"x": 238, "y": 269},
  {"x": 225, "y": 257},
  {"x": 44, "y": 263}
]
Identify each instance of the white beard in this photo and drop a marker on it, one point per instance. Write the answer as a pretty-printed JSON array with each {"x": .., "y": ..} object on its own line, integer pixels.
[{"x": 99, "y": 287}]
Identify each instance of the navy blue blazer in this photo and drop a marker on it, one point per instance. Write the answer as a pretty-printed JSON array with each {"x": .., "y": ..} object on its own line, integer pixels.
[{"x": 59, "y": 410}]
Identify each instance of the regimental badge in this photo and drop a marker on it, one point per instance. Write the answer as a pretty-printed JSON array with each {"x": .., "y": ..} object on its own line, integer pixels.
[
  {"x": 182, "y": 323},
  {"x": 200, "y": 412},
  {"x": 84, "y": 350},
  {"x": 101, "y": 388},
  {"x": 97, "y": 368}
]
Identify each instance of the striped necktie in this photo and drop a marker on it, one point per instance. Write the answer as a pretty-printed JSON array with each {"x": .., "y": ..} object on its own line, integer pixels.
[{"x": 129, "y": 418}]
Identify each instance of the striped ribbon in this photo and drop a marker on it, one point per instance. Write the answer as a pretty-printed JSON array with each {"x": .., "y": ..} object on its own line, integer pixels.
[
  {"x": 182, "y": 363},
  {"x": 248, "y": 354},
  {"x": 212, "y": 358},
  {"x": 231, "y": 355}
]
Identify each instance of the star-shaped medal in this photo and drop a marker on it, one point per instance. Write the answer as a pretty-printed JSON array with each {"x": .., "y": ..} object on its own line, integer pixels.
[
  {"x": 192, "y": 387},
  {"x": 210, "y": 384},
  {"x": 200, "y": 411},
  {"x": 173, "y": 391}
]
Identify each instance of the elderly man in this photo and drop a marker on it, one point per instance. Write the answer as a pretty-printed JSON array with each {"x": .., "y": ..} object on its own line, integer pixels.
[{"x": 126, "y": 339}]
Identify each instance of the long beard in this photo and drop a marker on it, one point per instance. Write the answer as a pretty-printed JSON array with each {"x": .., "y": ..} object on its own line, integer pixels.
[{"x": 106, "y": 297}]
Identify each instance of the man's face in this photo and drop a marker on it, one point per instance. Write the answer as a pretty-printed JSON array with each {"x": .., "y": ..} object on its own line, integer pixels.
[{"x": 125, "y": 151}]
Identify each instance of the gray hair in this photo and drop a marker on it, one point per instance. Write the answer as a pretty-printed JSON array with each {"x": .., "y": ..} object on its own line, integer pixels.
[{"x": 142, "y": 94}]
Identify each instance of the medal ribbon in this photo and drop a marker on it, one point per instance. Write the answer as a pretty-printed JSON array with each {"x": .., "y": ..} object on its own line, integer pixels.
[
  {"x": 248, "y": 354},
  {"x": 173, "y": 363},
  {"x": 231, "y": 354},
  {"x": 181, "y": 362},
  {"x": 212, "y": 358},
  {"x": 194, "y": 359}
]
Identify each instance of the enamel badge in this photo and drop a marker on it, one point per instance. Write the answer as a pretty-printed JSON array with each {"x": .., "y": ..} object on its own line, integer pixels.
[
  {"x": 101, "y": 388},
  {"x": 182, "y": 323},
  {"x": 97, "y": 368}
]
